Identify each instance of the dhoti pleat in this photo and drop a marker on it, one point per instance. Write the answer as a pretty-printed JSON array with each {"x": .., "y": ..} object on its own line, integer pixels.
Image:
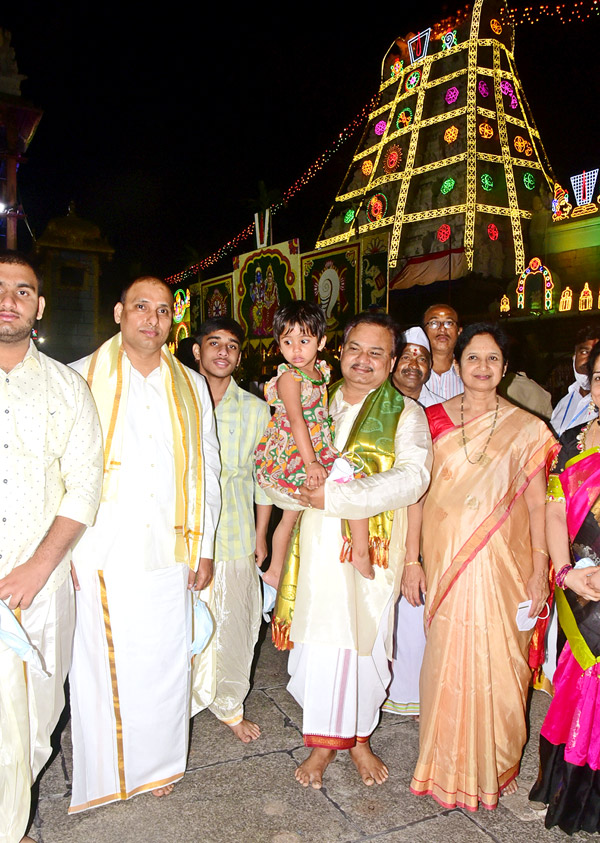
[
  {"x": 130, "y": 683},
  {"x": 221, "y": 673},
  {"x": 341, "y": 692},
  {"x": 409, "y": 646}
]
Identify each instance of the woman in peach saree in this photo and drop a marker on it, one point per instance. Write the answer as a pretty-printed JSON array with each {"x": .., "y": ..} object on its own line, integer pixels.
[{"x": 484, "y": 552}]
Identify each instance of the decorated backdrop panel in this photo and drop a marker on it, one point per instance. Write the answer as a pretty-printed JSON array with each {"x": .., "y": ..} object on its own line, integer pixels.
[
  {"x": 264, "y": 280},
  {"x": 373, "y": 277},
  {"x": 330, "y": 277},
  {"x": 216, "y": 297}
]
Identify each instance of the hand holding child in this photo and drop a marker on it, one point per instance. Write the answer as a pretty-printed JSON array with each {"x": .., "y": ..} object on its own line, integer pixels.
[{"x": 316, "y": 475}]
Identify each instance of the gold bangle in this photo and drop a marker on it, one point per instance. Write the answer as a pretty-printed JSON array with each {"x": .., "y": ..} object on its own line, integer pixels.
[
  {"x": 541, "y": 550},
  {"x": 416, "y": 562}
]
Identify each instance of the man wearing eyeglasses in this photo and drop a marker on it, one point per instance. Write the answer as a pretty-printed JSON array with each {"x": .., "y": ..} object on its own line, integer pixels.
[{"x": 442, "y": 328}]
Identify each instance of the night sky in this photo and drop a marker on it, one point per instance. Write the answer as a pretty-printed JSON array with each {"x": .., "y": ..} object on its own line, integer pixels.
[{"x": 160, "y": 125}]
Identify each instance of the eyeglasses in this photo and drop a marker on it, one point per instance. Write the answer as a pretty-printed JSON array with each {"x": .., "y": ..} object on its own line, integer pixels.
[{"x": 435, "y": 324}]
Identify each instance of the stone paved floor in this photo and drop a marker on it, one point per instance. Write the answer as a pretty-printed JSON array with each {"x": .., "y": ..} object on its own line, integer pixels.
[{"x": 248, "y": 794}]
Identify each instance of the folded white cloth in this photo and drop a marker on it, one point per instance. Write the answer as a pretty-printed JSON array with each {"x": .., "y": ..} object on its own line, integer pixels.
[{"x": 14, "y": 636}]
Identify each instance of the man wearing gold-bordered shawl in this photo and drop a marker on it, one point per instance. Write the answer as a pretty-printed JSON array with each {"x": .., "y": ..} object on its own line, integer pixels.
[
  {"x": 342, "y": 623},
  {"x": 152, "y": 543}
]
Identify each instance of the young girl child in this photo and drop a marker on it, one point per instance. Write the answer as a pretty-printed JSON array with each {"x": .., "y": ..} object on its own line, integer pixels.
[{"x": 297, "y": 446}]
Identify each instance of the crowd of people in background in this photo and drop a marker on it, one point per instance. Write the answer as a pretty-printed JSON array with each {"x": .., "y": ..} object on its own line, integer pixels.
[{"x": 451, "y": 511}]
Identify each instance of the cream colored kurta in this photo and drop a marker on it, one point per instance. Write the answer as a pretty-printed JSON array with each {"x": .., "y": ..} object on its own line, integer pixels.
[
  {"x": 50, "y": 464},
  {"x": 335, "y": 605},
  {"x": 130, "y": 680}
]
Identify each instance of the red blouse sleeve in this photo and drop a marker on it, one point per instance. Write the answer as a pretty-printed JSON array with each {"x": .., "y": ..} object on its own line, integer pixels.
[{"x": 439, "y": 420}]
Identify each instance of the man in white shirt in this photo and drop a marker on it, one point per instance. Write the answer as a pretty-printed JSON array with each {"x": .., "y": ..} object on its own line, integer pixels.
[
  {"x": 442, "y": 328},
  {"x": 576, "y": 408},
  {"x": 50, "y": 480},
  {"x": 339, "y": 664},
  {"x": 151, "y": 546}
]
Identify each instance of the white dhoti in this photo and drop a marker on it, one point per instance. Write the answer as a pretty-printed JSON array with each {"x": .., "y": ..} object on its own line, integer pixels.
[
  {"x": 31, "y": 703},
  {"x": 221, "y": 673},
  {"x": 409, "y": 646},
  {"x": 341, "y": 692},
  {"x": 130, "y": 683}
]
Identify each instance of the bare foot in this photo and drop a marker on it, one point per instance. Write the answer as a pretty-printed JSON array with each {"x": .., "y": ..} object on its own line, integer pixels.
[
  {"x": 310, "y": 772},
  {"x": 509, "y": 788},
  {"x": 27, "y": 840},
  {"x": 163, "y": 791},
  {"x": 271, "y": 577},
  {"x": 246, "y": 730},
  {"x": 371, "y": 769},
  {"x": 362, "y": 563}
]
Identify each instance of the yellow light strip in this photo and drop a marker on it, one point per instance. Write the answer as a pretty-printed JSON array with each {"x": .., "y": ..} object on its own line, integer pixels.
[
  {"x": 471, "y": 182},
  {"x": 410, "y": 160},
  {"x": 513, "y": 200}
]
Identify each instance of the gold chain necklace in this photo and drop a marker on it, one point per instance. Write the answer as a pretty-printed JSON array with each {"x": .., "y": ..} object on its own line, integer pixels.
[{"x": 464, "y": 438}]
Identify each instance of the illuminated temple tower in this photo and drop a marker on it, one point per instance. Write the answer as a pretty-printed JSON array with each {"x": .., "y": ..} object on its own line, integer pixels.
[{"x": 450, "y": 155}]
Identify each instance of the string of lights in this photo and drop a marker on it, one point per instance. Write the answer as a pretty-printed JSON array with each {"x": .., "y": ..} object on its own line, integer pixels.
[
  {"x": 565, "y": 12},
  {"x": 300, "y": 182}
]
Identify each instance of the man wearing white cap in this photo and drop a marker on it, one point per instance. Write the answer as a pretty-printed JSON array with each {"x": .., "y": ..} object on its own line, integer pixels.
[
  {"x": 410, "y": 378},
  {"x": 414, "y": 367}
]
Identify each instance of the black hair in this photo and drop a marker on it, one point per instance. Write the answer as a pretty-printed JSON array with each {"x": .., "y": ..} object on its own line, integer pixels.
[
  {"x": 593, "y": 356},
  {"x": 10, "y": 256},
  {"x": 151, "y": 278},
  {"x": 477, "y": 329},
  {"x": 220, "y": 323},
  {"x": 591, "y": 331},
  {"x": 380, "y": 320},
  {"x": 185, "y": 354},
  {"x": 304, "y": 314}
]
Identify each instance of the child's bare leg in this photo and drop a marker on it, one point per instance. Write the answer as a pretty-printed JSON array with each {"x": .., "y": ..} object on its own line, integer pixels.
[
  {"x": 360, "y": 547},
  {"x": 279, "y": 546}
]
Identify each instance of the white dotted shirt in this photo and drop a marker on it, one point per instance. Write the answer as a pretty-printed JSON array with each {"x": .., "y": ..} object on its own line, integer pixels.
[{"x": 50, "y": 457}]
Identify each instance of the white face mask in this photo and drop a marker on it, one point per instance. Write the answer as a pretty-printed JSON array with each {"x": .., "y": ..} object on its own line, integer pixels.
[{"x": 582, "y": 380}]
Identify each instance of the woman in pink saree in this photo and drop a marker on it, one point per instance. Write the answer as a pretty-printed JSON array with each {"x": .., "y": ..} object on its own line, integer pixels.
[
  {"x": 569, "y": 779},
  {"x": 484, "y": 553}
]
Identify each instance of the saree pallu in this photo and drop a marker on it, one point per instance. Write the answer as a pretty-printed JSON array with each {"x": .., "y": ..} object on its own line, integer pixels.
[
  {"x": 477, "y": 559},
  {"x": 569, "y": 778}
]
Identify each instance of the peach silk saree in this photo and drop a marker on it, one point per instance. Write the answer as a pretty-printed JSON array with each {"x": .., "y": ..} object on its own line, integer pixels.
[{"x": 477, "y": 559}]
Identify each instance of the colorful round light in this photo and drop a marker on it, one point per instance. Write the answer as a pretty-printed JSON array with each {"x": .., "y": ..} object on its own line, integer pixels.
[
  {"x": 506, "y": 87},
  {"x": 495, "y": 26},
  {"x": 451, "y": 134},
  {"x": 452, "y": 95},
  {"x": 487, "y": 182},
  {"x": 367, "y": 167},
  {"x": 493, "y": 231},
  {"x": 520, "y": 143},
  {"x": 404, "y": 119},
  {"x": 513, "y": 101},
  {"x": 529, "y": 180},
  {"x": 377, "y": 207},
  {"x": 447, "y": 185},
  {"x": 486, "y": 131},
  {"x": 483, "y": 88},
  {"x": 380, "y": 127},
  {"x": 413, "y": 80},
  {"x": 349, "y": 215},
  {"x": 444, "y": 232},
  {"x": 392, "y": 159}
]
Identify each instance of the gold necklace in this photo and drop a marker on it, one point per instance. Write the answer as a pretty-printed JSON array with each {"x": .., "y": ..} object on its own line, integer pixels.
[{"x": 464, "y": 438}]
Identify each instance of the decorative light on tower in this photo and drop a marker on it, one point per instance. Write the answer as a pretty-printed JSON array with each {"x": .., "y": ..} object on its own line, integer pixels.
[{"x": 459, "y": 77}]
